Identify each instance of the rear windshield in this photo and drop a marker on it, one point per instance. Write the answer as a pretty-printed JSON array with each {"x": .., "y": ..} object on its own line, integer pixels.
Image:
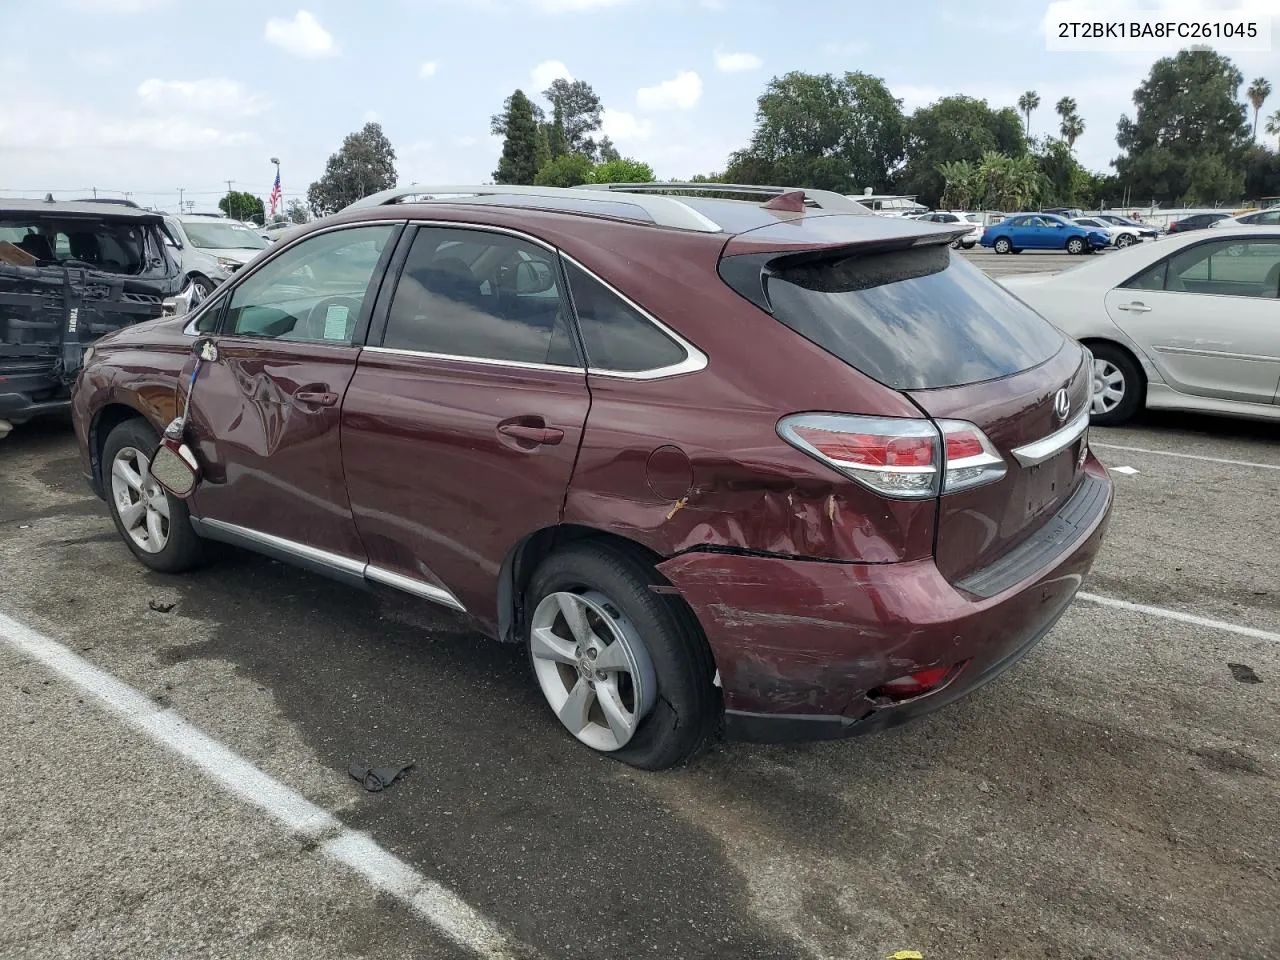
[
  {"x": 112, "y": 247},
  {"x": 912, "y": 319}
]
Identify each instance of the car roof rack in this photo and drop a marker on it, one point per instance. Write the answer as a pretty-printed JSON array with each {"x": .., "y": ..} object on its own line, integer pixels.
[
  {"x": 822, "y": 199},
  {"x": 663, "y": 211}
]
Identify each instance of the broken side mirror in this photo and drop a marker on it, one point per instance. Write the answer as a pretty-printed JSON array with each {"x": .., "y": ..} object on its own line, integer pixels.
[
  {"x": 205, "y": 349},
  {"x": 174, "y": 466}
]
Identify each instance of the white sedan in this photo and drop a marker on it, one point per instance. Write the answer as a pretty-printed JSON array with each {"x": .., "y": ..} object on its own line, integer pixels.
[
  {"x": 1121, "y": 236},
  {"x": 968, "y": 240},
  {"x": 1259, "y": 218},
  {"x": 1189, "y": 323}
]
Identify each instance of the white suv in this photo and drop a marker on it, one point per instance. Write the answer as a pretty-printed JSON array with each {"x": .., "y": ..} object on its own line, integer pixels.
[
  {"x": 949, "y": 216},
  {"x": 210, "y": 249}
]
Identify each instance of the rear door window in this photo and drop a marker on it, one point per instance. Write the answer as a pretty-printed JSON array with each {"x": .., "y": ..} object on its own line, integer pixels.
[
  {"x": 1231, "y": 268},
  {"x": 473, "y": 294},
  {"x": 912, "y": 319}
]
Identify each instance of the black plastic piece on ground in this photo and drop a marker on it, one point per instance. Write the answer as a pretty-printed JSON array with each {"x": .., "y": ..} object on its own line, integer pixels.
[{"x": 377, "y": 779}]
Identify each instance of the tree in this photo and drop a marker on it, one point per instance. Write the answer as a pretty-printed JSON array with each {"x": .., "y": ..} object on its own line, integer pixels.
[
  {"x": 608, "y": 151},
  {"x": 1072, "y": 126},
  {"x": 365, "y": 164},
  {"x": 523, "y": 147},
  {"x": 960, "y": 177},
  {"x": 1008, "y": 183},
  {"x": 1273, "y": 124},
  {"x": 1261, "y": 172},
  {"x": 576, "y": 112},
  {"x": 295, "y": 211},
  {"x": 566, "y": 170},
  {"x": 1064, "y": 182},
  {"x": 239, "y": 205},
  {"x": 1257, "y": 93},
  {"x": 950, "y": 130},
  {"x": 1187, "y": 138},
  {"x": 622, "y": 170},
  {"x": 828, "y": 132},
  {"x": 1028, "y": 102}
]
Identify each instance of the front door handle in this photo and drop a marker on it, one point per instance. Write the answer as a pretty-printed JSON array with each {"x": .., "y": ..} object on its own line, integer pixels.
[
  {"x": 1136, "y": 307},
  {"x": 546, "y": 436},
  {"x": 322, "y": 398}
]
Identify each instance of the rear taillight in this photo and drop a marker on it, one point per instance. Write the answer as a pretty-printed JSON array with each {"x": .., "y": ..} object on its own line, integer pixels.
[{"x": 910, "y": 459}]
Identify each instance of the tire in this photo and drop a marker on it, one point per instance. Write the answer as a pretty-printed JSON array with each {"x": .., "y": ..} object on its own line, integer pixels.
[
  {"x": 1076, "y": 246},
  {"x": 681, "y": 710},
  {"x": 955, "y": 244},
  {"x": 1124, "y": 240},
  {"x": 176, "y": 548},
  {"x": 1002, "y": 245},
  {"x": 969, "y": 246},
  {"x": 1115, "y": 368},
  {"x": 201, "y": 287}
]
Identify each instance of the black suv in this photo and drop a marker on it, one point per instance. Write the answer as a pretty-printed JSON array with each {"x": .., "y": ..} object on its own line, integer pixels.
[{"x": 69, "y": 273}]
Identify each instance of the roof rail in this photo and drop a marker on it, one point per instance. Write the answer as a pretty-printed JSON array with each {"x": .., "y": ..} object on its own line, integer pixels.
[
  {"x": 823, "y": 199},
  {"x": 664, "y": 211}
]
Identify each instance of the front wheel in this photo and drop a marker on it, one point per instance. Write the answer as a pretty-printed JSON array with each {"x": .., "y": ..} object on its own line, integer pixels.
[
  {"x": 1076, "y": 246},
  {"x": 198, "y": 288},
  {"x": 154, "y": 525},
  {"x": 1124, "y": 240},
  {"x": 1003, "y": 245},
  {"x": 625, "y": 670}
]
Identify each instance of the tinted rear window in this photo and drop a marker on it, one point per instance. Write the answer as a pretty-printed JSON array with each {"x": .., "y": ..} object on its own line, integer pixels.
[{"x": 912, "y": 319}]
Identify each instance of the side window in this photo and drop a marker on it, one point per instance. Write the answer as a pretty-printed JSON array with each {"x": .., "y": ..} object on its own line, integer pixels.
[
  {"x": 469, "y": 293},
  {"x": 1232, "y": 268},
  {"x": 617, "y": 336},
  {"x": 313, "y": 292}
]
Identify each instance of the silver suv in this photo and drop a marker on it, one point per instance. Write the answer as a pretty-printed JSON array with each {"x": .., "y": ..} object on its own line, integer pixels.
[{"x": 210, "y": 249}]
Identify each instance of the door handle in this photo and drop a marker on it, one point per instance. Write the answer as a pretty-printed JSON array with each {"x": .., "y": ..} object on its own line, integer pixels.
[
  {"x": 321, "y": 398},
  {"x": 547, "y": 436},
  {"x": 1136, "y": 307}
]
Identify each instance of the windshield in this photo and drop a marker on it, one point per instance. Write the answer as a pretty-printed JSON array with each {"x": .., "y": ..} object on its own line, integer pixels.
[
  {"x": 222, "y": 236},
  {"x": 912, "y": 319}
]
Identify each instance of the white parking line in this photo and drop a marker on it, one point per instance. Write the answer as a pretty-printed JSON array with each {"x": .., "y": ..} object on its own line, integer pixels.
[
  {"x": 439, "y": 906},
  {"x": 1180, "y": 617},
  {"x": 1186, "y": 456}
]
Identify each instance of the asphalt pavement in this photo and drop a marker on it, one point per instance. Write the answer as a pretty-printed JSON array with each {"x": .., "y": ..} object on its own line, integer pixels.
[{"x": 1114, "y": 795}]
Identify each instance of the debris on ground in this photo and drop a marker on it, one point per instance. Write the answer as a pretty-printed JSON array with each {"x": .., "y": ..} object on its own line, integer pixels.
[
  {"x": 1243, "y": 673},
  {"x": 161, "y": 606},
  {"x": 377, "y": 779}
]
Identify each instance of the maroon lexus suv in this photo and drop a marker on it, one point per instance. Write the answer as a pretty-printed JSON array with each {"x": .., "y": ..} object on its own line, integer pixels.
[{"x": 783, "y": 467}]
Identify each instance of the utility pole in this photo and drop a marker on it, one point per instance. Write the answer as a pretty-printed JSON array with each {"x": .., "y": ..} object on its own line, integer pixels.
[
  {"x": 180, "y": 192},
  {"x": 229, "y": 202},
  {"x": 95, "y": 193}
]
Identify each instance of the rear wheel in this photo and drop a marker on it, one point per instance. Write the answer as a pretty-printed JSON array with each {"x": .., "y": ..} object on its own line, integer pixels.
[
  {"x": 625, "y": 670},
  {"x": 1076, "y": 246},
  {"x": 1117, "y": 386},
  {"x": 155, "y": 526},
  {"x": 1002, "y": 245}
]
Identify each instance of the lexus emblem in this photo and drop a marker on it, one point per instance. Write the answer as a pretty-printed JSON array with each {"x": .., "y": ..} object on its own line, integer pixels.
[{"x": 1061, "y": 404}]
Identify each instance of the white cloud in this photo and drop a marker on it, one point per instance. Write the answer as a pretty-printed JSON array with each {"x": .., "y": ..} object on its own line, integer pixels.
[
  {"x": 737, "y": 62},
  {"x": 548, "y": 71},
  {"x": 34, "y": 124},
  {"x": 681, "y": 92},
  {"x": 620, "y": 126},
  {"x": 211, "y": 95},
  {"x": 429, "y": 68},
  {"x": 302, "y": 36}
]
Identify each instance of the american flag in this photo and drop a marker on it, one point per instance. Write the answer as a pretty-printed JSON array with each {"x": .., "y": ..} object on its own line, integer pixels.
[{"x": 275, "y": 193}]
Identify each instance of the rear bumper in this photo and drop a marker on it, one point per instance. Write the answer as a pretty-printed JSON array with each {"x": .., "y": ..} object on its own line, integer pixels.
[
  {"x": 800, "y": 645},
  {"x": 17, "y": 405}
]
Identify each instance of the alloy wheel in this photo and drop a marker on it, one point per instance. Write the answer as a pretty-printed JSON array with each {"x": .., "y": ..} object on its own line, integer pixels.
[
  {"x": 143, "y": 508},
  {"x": 1108, "y": 386},
  {"x": 592, "y": 666}
]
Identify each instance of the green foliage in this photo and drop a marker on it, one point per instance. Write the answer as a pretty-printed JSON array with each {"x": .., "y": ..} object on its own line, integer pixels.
[
  {"x": 1273, "y": 124},
  {"x": 524, "y": 149},
  {"x": 822, "y": 131},
  {"x": 622, "y": 170},
  {"x": 1071, "y": 125},
  {"x": 1187, "y": 139},
  {"x": 576, "y": 112},
  {"x": 1257, "y": 93},
  {"x": 295, "y": 211},
  {"x": 608, "y": 151},
  {"x": 961, "y": 179},
  {"x": 364, "y": 164},
  {"x": 1027, "y": 103},
  {"x": 1007, "y": 183},
  {"x": 566, "y": 170},
  {"x": 1065, "y": 183},
  {"x": 239, "y": 205},
  {"x": 707, "y": 178},
  {"x": 1261, "y": 173},
  {"x": 950, "y": 130}
]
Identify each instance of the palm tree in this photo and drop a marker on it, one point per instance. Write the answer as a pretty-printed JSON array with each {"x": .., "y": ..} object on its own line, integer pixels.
[
  {"x": 960, "y": 177},
  {"x": 1026, "y": 103},
  {"x": 1072, "y": 126},
  {"x": 1273, "y": 124},
  {"x": 1257, "y": 93}
]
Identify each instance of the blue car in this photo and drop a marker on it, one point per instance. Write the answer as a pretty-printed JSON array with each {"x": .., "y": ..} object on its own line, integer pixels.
[{"x": 1042, "y": 231}]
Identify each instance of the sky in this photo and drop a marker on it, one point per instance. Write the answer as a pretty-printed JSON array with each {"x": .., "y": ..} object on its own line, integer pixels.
[{"x": 149, "y": 96}]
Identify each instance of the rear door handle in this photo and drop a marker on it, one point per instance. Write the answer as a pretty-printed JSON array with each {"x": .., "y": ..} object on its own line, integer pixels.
[
  {"x": 548, "y": 436},
  {"x": 1136, "y": 307},
  {"x": 321, "y": 398}
]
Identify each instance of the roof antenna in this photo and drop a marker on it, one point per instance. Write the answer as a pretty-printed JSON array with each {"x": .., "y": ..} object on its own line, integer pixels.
[
  {"x": 48, "y": 198},
  {"x": 791, "y": 201}
]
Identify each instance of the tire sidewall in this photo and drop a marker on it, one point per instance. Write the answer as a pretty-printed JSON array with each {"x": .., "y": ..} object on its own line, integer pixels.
[
  {"x": 1133, "y": 387},
  {"x": 1002, "y": 245},
  {"x": 183, "y": 549},
  {"x": 687, "y": 707}
]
